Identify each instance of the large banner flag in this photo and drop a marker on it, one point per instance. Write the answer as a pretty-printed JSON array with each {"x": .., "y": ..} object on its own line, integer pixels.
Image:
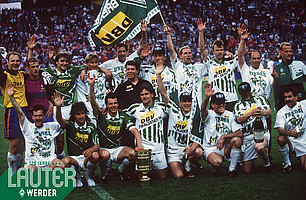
[{"x": 119, "y": 20}]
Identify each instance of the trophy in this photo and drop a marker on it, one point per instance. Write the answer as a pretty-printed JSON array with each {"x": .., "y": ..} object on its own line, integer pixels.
[{"x": 144, "y": 166}]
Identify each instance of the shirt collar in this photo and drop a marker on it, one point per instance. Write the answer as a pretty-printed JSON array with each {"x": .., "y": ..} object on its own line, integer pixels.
[
  {"x": 77, "y": 126},
  {"x": 113, "y": 118},
  {"x": 59, "y": 73}
]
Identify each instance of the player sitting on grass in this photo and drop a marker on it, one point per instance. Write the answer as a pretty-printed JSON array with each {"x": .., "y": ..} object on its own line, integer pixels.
[
  {"x": 39, "y": 136},
  {"x": 177, "y": 147},
  {"x": 81, "y": 137},
  {"x": 291, "y": 125},
  {"x": 111, "y": 128},
  {"x": 222, "y": 134}
]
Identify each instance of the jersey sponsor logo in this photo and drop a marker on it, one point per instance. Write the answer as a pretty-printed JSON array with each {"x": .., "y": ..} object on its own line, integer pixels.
[
  {"x": 81, "y": 137},
  {"x": 62, "y": 83},
  {"x": 115, "y": 28},
  {"x": 250, "y": 109},
  {"x": 289, "y": 114},
  {"x": 17, "y": 83},
  {"x": 181, "y": 125},
  {"x": 153, "y": 79},
  {"x": 220, "y": 70},
  {"x": 148, "y": 116},
  {"x": 113, "y": 130}
]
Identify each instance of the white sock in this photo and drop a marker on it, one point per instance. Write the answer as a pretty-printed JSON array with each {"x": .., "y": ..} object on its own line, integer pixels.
[
  {"x": 234, "y": 156},
  {"x": 108, "y": 166},
  {"x": 19, "y": 160},
  {"x": 265, "y": 159},
  {"x": 124, "y": 163},
  {"x": 12, "y": 162},
  {"x": 284, "y": 151}
]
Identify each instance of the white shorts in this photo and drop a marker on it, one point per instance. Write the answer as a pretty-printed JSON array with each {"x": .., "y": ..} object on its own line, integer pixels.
[
  {"x": 114, "y": 152},
  {"x": 248, "y": 149},
  {"x": 175, "y": 154},
  {"x": 298, "y": 148},
  {"x": 159, "y": 161},
  {"x": 209, "y": 150},
  {"x": 80, "y": 160}
]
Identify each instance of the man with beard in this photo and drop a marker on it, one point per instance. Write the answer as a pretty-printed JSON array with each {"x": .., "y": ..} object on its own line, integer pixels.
[
  {"x": 288, "y": 73},
  {"x": 291, "y": 125}
]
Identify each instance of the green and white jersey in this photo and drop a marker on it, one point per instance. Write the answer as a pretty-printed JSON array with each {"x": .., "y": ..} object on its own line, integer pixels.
[
  {"x": 82, "y": 91},
  {"x": 65, "y": 82},
  {"x": 177, "y": 126},
  {"x": 148, "y": 72},
  {"x": 216, "y": 125},
  {"x": 243, "y": 107},
  {"x": 186, "y": 75},
  {"x": 111, "y": 129},
  {"x": 40, "y": 142},
  {"x": 80, "y": 138},
  {"x": 118, "y": 68},
  {"x": 293, "y": 118},
  {"x": 222, "y": 77},
  {"x": 259, "y": 79},
  {"x": 149, "y": 122}
]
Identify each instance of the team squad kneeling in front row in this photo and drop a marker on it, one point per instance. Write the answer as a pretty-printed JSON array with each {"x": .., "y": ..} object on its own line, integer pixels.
[{"x": 156, "y": 103}]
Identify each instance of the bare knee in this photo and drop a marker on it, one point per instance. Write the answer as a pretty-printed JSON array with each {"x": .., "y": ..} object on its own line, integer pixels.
[
  {"x": 260, "y": 149},
  {"x": 104, "y": 155},
  {"x": 178, "y": 174},
  {"x": 216, "y": 162},
  {"x": 236, "y": 142},
  {"x": 282, "y": 140},
  {"x": 94, "y": 158},
  {"x": 67, "y": 161},
  {"x": 198, "y": 152}
]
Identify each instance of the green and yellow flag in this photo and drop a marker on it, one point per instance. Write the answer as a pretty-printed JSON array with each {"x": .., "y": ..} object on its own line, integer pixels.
[{"x": 119, "y": 20}]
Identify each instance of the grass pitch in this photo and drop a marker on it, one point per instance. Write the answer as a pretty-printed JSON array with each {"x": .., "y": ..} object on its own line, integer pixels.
[{"x": 204, "y": 186}]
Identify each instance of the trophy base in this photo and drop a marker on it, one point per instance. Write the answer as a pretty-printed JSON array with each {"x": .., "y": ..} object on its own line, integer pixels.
[{"x": 145, "y": 183}]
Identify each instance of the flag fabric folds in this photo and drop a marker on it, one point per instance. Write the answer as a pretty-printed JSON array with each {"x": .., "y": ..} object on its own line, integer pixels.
[{"x": 119, "y": 20}]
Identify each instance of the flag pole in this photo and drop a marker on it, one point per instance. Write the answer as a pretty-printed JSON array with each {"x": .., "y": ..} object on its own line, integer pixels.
[{"x": 161, "y": 16}]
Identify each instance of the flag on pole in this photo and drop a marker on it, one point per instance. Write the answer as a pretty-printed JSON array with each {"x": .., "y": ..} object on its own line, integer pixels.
[{"x": 119, "y": 20}]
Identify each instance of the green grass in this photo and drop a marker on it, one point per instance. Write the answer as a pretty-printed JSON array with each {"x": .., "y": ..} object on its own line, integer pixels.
[{"x": 204, "y": 186}]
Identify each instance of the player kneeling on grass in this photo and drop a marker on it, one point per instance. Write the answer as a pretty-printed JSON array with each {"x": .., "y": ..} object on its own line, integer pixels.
[
  {"x": 291, "y": 125},
  {"x": 222, "y": 134},
  {"x": 247, "y": 111},
  {"x": 39, "y": 136},
  {"x": 177, "y": 147},
  {"x": 111, "y": 128},
  {"x": 81, "y": 137}
]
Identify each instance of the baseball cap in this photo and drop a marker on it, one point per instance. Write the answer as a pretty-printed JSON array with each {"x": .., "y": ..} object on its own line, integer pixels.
[
  {"x": 186, "y": 96},
  {"x": 158, "y": 49},
  {"x": 218, "y": 98},
  {"x": 244, "y": 88}
]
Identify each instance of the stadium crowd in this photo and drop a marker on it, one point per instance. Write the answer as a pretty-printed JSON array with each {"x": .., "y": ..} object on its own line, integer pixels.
[
  {"x": 270, "y": 22},
  {"x": 107, "y": 98}
]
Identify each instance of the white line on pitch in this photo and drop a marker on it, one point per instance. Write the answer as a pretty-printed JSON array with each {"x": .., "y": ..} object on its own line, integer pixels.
[{"x": 103, "y": 194}]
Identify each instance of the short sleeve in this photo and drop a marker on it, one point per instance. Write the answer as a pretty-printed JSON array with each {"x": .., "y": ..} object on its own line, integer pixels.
[{"x": 280, "y": 120}]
